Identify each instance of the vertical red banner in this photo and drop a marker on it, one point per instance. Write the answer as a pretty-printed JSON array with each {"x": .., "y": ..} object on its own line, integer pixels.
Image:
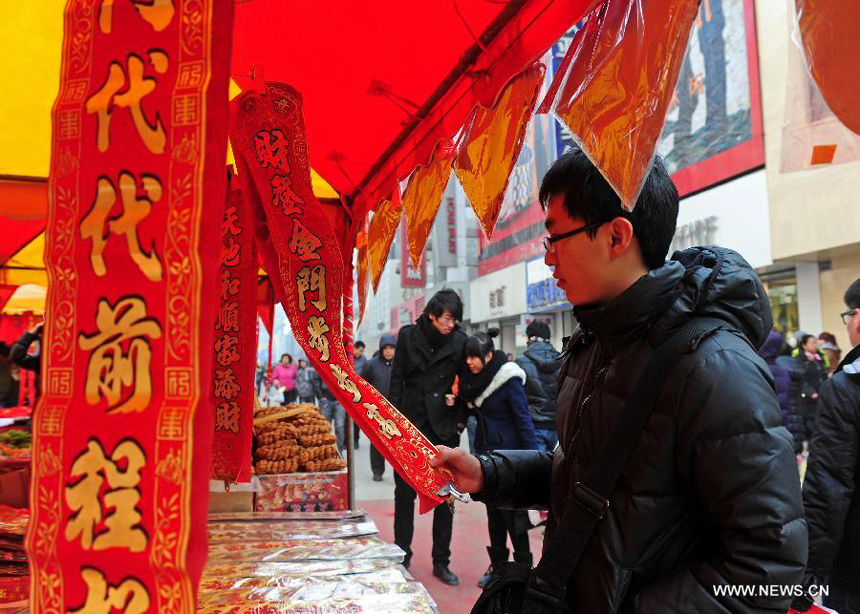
[
  {"x": 123, "y": 433},
  {"x": 301, "y": 252},
  {"x": 235, "y": 343}
]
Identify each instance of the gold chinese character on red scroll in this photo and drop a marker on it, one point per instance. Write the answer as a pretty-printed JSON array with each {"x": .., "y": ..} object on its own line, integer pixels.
[
  {"x": 317, "y": 329},
  {"x": 92, "y": 467},
  {"x": 304, "y": 243},
  {"x": 226, "y": 386},
  {"x": 158, "y": 13},
  {"x": 227, "y": 416},
  {"x": 105, "y": 101},
  {"x": 112, "y": 368},
  {"x": 228, "y": 317},
  {"x": 130, "y": 596},
  {"x": 134, "y": 210},
  {"x": 311, "y": 280}
]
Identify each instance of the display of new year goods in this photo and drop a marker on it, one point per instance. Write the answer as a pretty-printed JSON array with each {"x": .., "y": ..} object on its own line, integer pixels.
[
  {"x": 295, "y": 438},
  {"x": 295, "y": 550},
  {"x": 296, "y": 530},
  {"x": 14, "y": 442}
]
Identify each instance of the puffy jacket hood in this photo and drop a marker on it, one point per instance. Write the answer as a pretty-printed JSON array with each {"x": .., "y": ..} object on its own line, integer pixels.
[
  {"x": 544, "y": 356},
  {"x": 706, "y": 281},
  {"x": 387, "y": 340},
  {"x": 772, "y": 346}
]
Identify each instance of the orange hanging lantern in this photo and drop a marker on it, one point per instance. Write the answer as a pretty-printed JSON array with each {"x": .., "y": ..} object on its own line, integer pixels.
[
  {"x": 493, "y": 143},
  {"x": 423, "y": 196},
  {"x": 621, "y": 70}
]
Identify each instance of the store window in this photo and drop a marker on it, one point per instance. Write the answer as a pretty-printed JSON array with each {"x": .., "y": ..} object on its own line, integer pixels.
[{"x": 781, "y": 288}]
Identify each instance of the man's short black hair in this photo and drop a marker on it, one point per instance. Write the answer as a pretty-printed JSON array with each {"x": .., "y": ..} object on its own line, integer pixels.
[
  {"x": 588, "y": 197},
  {"x": 852, "y": 295},
  {"x": 442, "y": 300},
  {"x": 359, "y": 344}
]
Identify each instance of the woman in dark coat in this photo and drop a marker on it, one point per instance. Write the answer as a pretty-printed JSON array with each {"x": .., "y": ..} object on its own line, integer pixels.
[
  {"x": 770, "y": 351},
  {"x": 493, "y": 389},
  {"x": 814, "y": 369}
]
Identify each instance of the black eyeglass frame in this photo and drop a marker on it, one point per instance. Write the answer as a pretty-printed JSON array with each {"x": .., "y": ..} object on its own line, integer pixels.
[
  {"x": 846, "y": 315},
  {"x": 548, "y": 241}
]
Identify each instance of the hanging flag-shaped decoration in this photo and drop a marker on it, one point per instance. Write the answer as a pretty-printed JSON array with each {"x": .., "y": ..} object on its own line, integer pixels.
[
  {"x": 361, "y": 278},
  {"x": 423, "y": 195},
  {"x": 621, "y": 71},
  {"x": 380, "y": 235},
  {"x": 493, "y": 143}
]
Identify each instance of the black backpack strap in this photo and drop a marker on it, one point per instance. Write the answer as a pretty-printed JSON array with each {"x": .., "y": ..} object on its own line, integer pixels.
[{"x": 588, "y": 500}]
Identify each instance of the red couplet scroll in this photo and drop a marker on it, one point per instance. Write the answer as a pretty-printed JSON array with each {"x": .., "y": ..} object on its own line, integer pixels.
[
  {"x": 123, "y": 432},
  {"x": 301, "y": 253}
]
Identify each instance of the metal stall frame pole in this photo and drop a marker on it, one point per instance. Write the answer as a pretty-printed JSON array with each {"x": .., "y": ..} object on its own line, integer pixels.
[{"x": 347, "y": 344}]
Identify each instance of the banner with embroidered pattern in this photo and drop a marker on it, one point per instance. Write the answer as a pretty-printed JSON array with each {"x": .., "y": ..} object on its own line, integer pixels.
[
  {"x": 122, "y": 435},
  {"x": 300, "y": 250},
  {"x": 235, "y": 343}
]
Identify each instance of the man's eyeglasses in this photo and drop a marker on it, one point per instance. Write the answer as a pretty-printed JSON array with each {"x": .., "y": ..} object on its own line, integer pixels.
[
  {"x": 847, "y": 315},
  {"x": 548, "y": 241}
]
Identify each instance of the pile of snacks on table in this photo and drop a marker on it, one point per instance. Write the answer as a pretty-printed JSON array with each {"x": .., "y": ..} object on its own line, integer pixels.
[
  {"x": 295, "y": 438},
  {"x": 296, "y": 562},
  {"x": 14, "y": 572}
]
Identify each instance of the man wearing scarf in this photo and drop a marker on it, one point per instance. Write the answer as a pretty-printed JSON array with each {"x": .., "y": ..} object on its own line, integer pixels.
[{"x": 428, "y": 356}]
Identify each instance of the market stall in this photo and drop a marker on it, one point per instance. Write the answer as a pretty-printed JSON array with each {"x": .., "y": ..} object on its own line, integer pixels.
[{"x": 152, "y": 252}]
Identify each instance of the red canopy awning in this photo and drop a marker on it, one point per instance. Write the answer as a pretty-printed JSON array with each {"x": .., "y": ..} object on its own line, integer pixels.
[{"x": 384, "y": 81}]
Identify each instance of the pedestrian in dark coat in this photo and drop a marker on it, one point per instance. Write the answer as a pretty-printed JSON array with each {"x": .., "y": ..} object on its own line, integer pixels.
[
  {"x": 830, "y": 493},
  {"x": 709, "y": 499},
  {"x": 542, "y": 365},
  {"x": 781, "y": 378},
  {"x": 813, "y": 368},
  {"x": 494, "y": 389},
  {"x": 377, "y": 373},
  {"x": 428, "y": 357}
]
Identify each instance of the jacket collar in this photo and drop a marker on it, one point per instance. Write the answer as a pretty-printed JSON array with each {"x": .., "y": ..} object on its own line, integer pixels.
[
  {"x": 508, "y": 371},
  {"x": 423, "y": 345},
  {"x": 626, "y": 317},
  {"x": 851, "y": 363}
]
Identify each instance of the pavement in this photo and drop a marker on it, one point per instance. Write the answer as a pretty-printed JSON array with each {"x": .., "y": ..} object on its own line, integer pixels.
[{"x": 468, "y": 545}]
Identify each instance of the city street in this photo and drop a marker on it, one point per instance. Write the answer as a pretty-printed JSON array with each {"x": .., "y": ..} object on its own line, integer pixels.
[{"x": 468, "y": 547}]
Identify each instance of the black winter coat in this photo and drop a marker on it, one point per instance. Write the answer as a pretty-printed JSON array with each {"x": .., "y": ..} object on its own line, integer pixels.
[
  {"x": 421, "y": 377},
  {"x": 711, "y": 493},
  {"x": 781, "y": 377},
  {"x": 542, "y": 365},
  {"x": 377, "y": 370},
  {"x": 830, "y": 492}
]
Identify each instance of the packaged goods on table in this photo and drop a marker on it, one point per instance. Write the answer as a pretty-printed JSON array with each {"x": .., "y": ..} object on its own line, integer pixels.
[
  {"x": 256, "y": 575},
  {"x": 298, "y": 550},
  {"x": 409, "y": 597},
  {"x": 296, "y": 531},
  {"x": 14, "y": 570}
]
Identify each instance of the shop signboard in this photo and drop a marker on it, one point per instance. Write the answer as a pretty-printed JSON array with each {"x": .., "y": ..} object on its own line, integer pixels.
[
  {"x": 542, "y": 293},
  {"x": 500, "y": 294}
]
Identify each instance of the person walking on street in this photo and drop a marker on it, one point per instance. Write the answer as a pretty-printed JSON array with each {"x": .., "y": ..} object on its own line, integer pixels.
[
  {"x": 830, "y": 493},
  {"x": 813, "y": 368},
  {"x": 331, "y": 409},
  {"x": 428, "y": 357},
  {"x": 304, "y": 382},
  {"x": 377, "y": 373},
  {"x": 708, "y": 496},
  {"x": 284, "y": 378},
  {"x": 828, "y": 346},
  {"x": 492, "y": 388},
  {"x": 359, "y": 361},
  {"x": 541, "y": 364},
  {"x": 769, "y": 352}
]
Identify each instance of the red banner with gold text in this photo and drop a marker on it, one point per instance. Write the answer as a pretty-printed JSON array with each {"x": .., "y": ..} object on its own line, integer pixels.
[
  {"x": 235, "y": 343},
  {"x": 300, "y": 250},
  {"x": 123, "y": 433}
]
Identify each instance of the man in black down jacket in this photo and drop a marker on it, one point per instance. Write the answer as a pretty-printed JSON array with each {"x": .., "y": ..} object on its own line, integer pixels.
[
  {"x": 830, "y": 494},
  {"x": 377, "y": 373},
  {"x": 710, "y": 496},
  {"x": 541, "y": 363},
  {"x": 428, "y": 357}
]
